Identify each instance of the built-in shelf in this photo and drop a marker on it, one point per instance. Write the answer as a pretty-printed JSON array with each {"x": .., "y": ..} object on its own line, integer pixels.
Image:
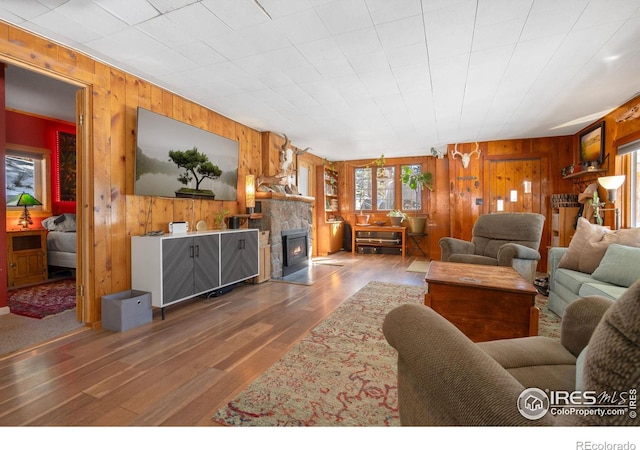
[{"x": 584, "y": 173}]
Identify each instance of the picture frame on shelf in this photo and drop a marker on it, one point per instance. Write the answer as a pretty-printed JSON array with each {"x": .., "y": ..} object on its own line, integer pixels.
[{"x": 592, "y": 145}]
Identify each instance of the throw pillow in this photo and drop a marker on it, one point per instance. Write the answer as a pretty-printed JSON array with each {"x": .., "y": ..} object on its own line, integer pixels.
[
  {"x": 590, "y": 243},
  {"x": 620, "y": 265},
  {"x": 579, "y": 255}
]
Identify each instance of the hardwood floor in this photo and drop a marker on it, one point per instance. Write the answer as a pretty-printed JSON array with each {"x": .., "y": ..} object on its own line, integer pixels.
[{"x": 180, "y": 371}]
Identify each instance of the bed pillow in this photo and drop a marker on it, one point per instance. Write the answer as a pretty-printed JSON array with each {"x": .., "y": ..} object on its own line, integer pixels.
[
  {"x": 620, "y": 265},
  {"x": 63, "y": 222}
]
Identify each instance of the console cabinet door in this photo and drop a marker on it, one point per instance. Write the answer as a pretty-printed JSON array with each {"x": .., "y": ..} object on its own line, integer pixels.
[
  {"x": 177, "y": 269},
  {"x": 250, "y": 261},
  {"x": 206, "y": 269},
  {"x": 239, "y": 252}
]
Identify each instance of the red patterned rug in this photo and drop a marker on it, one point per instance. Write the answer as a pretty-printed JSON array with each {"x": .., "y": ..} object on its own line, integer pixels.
[
  {"x": 343, "y": 373},
  {"x": 44, "y": 299}
]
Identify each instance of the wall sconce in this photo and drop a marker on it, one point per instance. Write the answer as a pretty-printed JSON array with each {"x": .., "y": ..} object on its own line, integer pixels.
[
  {"x": 25, "y": 200},
  {"x": 250, "y": 193},
  {"x": 513, "y": 195}
]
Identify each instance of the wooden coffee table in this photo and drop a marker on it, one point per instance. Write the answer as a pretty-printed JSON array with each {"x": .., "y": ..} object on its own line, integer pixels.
[{"x": 484, "y": 302}]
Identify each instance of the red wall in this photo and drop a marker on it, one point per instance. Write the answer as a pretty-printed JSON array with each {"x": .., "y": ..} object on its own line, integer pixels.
[{"x": 34, "y": 131}]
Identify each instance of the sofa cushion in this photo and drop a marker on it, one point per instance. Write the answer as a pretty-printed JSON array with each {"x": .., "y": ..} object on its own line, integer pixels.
[
  {"x": 571, "y": 279},
  {"x": 620, "y": 265},
  {"x": 581, "y": 256},
  {"x": 590, "y": 243},
  {"x": 604, "y": 290}
]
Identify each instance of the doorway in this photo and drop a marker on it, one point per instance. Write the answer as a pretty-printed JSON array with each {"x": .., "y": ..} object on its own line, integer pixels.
[{"x": 35, "y": 98}]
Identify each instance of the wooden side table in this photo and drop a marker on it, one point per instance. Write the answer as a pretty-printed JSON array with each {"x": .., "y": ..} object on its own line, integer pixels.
[{"x": 26, "y": 256}]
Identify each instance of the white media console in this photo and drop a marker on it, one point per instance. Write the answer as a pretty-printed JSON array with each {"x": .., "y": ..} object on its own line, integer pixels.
[{"x": 177, "y": 267}]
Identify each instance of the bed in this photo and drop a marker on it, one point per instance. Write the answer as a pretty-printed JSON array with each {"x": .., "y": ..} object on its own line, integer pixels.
[{"x": 61, "y": 240}]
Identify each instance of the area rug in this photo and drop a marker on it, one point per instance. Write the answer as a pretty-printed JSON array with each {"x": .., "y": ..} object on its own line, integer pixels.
[
  {"x": 419, "y": 266},
  {"x": 44, "y": 299},
  {"x": 343, "y": 373}
]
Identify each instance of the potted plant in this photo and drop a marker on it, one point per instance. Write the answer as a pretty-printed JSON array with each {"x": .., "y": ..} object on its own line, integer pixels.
[
  {"x": 416, "y": 181},
  {"x": 396, "y": 217},
  {"x": 196, "y": 166}
]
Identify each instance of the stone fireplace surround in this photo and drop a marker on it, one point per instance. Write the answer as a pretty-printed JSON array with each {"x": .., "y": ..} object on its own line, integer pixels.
[{"x": 283, "y": 212}]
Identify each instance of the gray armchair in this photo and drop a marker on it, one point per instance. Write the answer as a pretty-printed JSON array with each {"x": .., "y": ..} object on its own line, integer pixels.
[
  {"x": 444, "y": 379},
  {"x": 506, "y": 239}
]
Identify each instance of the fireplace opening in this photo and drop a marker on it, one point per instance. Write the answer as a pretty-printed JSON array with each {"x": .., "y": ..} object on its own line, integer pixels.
[{"x": 295, "y": 250}]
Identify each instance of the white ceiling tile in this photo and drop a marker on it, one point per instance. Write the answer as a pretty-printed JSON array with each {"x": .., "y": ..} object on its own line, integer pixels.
[
  {"x": 383, "y": 11},
  {"x": 402, "y": 33},
  {"x": 65, "y": 26},
  {"x": 129, "y": 12},
  {"x": 237, "y": 14},
  {"x": 165, "y": 6},
  {"x": 356, "y": 77},
  {"x": 344, "y": 15},
  {"x": 301, "y": 27}
]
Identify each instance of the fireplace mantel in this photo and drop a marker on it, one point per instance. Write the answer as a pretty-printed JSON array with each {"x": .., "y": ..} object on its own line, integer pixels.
[{"x": 279, "y": 196}]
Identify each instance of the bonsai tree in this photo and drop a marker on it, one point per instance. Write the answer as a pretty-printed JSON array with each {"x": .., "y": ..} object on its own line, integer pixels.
[{"x": 196, "y": 166}]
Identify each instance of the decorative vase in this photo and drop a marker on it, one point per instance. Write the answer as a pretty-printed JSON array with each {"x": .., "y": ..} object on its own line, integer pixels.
[
  {"x": 396, "y": 221},
  {"x": 416, "y": 224}
]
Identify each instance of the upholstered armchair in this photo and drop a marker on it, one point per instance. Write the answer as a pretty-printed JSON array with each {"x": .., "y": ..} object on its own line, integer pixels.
[
  {"x": 444, "y": 379},
  {"x": 504, "y": 239}
]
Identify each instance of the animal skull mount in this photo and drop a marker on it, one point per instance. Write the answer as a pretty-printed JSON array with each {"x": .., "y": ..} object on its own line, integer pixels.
[{"x": 466, "y": 157}]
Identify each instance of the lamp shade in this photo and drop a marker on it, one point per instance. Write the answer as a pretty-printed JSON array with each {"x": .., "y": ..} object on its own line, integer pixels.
[
  {"x": 250, "y": 191},
  {"x": 23, "y": 199},
  {"x": 611, "y": 184}
]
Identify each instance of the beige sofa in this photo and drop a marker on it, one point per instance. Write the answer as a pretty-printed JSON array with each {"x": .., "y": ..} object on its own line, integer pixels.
[{"x": 445, "y": 379}]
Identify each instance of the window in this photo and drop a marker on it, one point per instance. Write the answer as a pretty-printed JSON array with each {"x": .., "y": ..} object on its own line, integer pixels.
[
  {"x": 635, "y": 190},
  {"x": 27, "y": 170},
  {"x": 411, "y": 200},
  {"x": 380, "y": 183},
  {"x": 633, "y": 148}
]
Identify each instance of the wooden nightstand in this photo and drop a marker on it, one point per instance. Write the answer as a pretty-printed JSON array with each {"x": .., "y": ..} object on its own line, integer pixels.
[{"x": 26, "y": 256}]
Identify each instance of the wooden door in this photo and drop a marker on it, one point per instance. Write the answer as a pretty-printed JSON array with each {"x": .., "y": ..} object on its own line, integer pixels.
[{"x": 514, "y": 185}]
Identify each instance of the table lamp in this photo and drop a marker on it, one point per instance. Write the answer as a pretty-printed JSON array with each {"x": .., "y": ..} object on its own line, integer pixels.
[
  {"x": 25, "y": 200},
  {"x": 250, "y": 193}
]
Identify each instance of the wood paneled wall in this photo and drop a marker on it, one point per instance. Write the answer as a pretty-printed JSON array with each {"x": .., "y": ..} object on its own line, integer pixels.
[{"x": 113, "y": 213}]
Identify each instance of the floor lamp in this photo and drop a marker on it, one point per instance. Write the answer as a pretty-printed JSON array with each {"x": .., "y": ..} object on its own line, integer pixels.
[{"x": 612, "y": 184}]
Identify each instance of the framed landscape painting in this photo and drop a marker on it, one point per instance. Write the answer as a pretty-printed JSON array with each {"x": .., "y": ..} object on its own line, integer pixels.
[{"x": 592, "y": 144}]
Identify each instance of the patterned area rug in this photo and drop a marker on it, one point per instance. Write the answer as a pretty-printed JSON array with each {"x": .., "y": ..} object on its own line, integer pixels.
[
  {"x": 343, "y": 373},
  {"x": 44, "y": 299}
]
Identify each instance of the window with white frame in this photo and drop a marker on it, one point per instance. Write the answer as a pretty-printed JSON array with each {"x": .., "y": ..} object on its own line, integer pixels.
[
  {"x": 633, "y": 149},
  {"x": 27, "y": 170}
]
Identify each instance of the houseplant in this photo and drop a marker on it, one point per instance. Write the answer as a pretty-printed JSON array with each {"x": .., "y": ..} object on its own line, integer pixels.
[
  {"x": 196, "y": 166},
  {"x": 396, "y": 216},
  {"x": 416, "y": 181}
]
